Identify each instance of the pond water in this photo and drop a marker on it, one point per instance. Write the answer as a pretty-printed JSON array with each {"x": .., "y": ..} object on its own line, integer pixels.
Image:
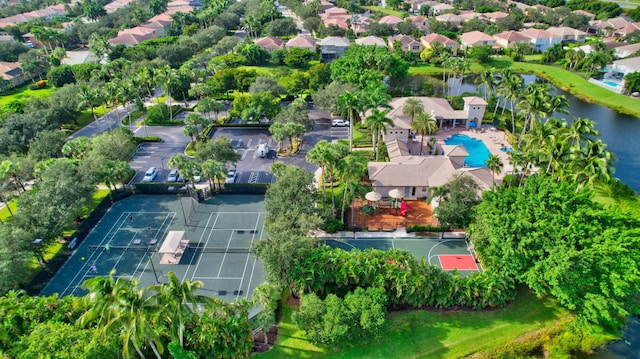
[{"x": 620, "y": 132}]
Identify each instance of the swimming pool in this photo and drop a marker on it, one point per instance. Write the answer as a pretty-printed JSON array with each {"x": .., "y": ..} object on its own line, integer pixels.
[
  {"x": 611, "y": 83},
  {"x": 478, "y": 152}
]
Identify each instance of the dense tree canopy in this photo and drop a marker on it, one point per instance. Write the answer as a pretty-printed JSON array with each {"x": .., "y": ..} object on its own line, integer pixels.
[
  {"x": 363, "y": 64},
  {"x": 555, "y": 239}
]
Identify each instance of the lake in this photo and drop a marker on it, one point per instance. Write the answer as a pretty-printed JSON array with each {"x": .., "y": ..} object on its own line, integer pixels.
[{"x": 620, "y": 132}]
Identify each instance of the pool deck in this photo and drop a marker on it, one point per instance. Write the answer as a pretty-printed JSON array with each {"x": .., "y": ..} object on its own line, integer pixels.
[{"x": 494, "y": 140}]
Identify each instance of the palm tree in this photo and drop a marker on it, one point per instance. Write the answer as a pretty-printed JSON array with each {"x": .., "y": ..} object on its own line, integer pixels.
[
  {"x": 412, "y": 107},
  {"x": 349, "y": 102},
  {"x": 487, "y": 79},
  {"x": 267, "y": 295},
  {"x": 580, "y": 132},
  {"x": 88, "y": 98},
  {"x": 319, "y": 155},
  {"x": 424, "y": 124},
  {"x": 119, "y": 307},
  {"x": 594, "y": 164},
  {"x": 167, "y": 77},
  {"x": 351, "y": 168},
  {"x": 495, "y": 166},
  {"x": 214, "y": 169},
  {"x": 181, "y": 162},
  {"x": 177, "y": 302},
  {"x": 378, "y": 123}
]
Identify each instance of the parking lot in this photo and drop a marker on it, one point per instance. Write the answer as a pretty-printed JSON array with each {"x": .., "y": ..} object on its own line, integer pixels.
[{"x": 251, "y": 168}]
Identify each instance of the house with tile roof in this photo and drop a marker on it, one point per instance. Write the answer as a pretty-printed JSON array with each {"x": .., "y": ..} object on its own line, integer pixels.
[
  {"x": 468, "y": 15},
  {"x": 568, "y": 34},
  {"x": 589, "y": 15},
  {"x": 408, "y": 43},
  {"x": 417, "y": 176},
  {"x": 494, "y": 17},
  {"x": 371, "y": 41},
  {"x": 338, "y": 21},
  {"x": 332, "y": 47},
  {"x": 270, "y": 43},
  {"x": 621, "y": 68},
  {"x": 427, "y": 42},
  {"x": 160, "y": 23},
  {"x": 476, "y": 38},
  {"x": 391, "y": 20},
  {"x": 453, "y": 18},
  {"x": 440, "y": 9},
  {"x": 540, "y": 39},
  {"x": 420, "y": 22},
  {"x": 302, "y": 41},
  {"x": 509, "y": 39},
  {"x": 133, "y": 36},
  {"x": 627, "y": 29}
]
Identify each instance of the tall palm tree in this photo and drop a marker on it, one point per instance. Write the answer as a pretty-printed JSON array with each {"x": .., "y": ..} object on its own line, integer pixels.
[
  {"x": 182, "y": 163},
  {"x": 581, "y": 132},
  {"x": 495, "y": 165},
  {"x": 424, "y": 124},
  {"x": 88, "y": 98},
  {"x": 320, "y": 156},
  {"x": 351, "y": 168},
  {"x": 487, "y": 78},
  {"x": 378, "y": 123},
  {"x": 350, "y": 102},
  {"x": 177, "y": 302},
  {"x": 412, "y": 107},
  {"x": 167, "y": 77}
]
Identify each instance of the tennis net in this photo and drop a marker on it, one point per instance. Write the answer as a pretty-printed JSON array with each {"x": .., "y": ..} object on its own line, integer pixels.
[
  {"x": 205, "y": 249},
  {"x": 132, "y": 248}
]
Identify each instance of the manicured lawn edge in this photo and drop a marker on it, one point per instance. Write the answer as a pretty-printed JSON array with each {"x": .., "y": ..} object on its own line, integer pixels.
[
  {"x": 429, "y": 334},
  {"x": 570, "y": 81}
]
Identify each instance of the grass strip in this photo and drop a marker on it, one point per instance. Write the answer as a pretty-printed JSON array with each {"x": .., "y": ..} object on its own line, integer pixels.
[{"x": 429, "y": 334}]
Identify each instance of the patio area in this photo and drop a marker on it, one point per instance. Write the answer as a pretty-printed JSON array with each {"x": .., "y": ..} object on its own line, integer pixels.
[{"x": 385, "y": 218}]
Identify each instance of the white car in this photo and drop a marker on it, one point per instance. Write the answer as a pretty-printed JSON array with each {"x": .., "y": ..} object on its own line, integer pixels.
[
  {"x": 338, "y": 122},
  {"x": 231, "y": 176},
  {"x": 196, "y": 176},
  {"x": 150, "y": 175},
  {"x": 173, "y": 176}
]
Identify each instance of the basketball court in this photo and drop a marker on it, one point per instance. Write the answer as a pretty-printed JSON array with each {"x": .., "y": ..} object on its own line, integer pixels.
[
  {"x": 449, "y": 254},
  {"x": 148, "y": 236}
]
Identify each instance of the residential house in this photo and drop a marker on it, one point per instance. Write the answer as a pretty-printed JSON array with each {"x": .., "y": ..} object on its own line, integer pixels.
[
  {"x": 607, "y": 27},
  {"x": 371, "y": 41},
  {"x": 494, "y": 17},
  {"x": 428, "y": 40},
  {"x": 408, "y": 43},
  {"x": 12, "y": 72},
  {"x": 333, "y": 11},
  {"x": 417, "y": 4},
  {"x": 540, "y": 39},
  {"x": 468, "y": 15},
  {"x": 270, "y": 43},
  {"x": 519, "y": 5},
  {"x": 509, "y": 39},
  {"x": 4, "y": 37},
  {"x": 626, "y": 50},
  {"x": 589, "y": 15},
  {"x": 160, "y": 23},
  {"x": 476, "y": 38},
  {"x": 453, "y": 18},
  {"x": 391, "y": 20},
  {"x": 115, "y": 5},
  {"x": 627, "y": 29},
  {"x": 620, "y": 68},
  {"x": 541, "y": 8},
  {"x": 133, "y": 36},
  {"x": 568, "y": 34},
  {"x": 440, "y": 9},
  {"x": 420, "y": 22},
  {"x": 302, "y": 41},
  {"x": 337, "y": 21},
  {"x": 332, "y": 47}
]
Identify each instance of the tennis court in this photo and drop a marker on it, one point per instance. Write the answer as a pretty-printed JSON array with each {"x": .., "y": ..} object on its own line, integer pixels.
[
  {"x": 210, "y": 242},
  {"x": 447, "y": 253}
]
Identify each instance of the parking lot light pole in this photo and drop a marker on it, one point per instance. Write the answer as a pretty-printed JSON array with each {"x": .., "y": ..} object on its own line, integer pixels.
[{"x": 162, "y": 163}]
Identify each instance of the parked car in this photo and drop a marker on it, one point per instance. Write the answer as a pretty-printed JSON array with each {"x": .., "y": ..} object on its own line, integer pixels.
[
  {"x": 150, "y": 175},
  {"x": 338, "y": 122},
  {"x": 173, "y": 176},
  {"x": 263, "y": 150},
  {"x": 196, "y": 176},
  {"x": 231, "y": 176}
]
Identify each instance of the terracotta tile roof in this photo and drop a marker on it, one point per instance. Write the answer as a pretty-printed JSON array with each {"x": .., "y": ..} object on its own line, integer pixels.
[
  {"x": 475, "y": 37},
  {"x": 301, "y": 41},
  {"x": 371, "y": 41},
  {"x": 511, "y": 36},
  {"x": 390, "y": 20},
  {"x": 270, "y": 42},
  {"x": 539, "y": 34},
  {"x": 433, "y": 37}
]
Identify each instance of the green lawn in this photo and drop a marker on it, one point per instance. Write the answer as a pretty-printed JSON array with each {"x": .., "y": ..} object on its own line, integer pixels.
[
  {"x": 25, "y": 93},
  {"x": 4, "y": 212},
  {"x": 383, "y": 10},
  {"x": 426, "y": 334}
]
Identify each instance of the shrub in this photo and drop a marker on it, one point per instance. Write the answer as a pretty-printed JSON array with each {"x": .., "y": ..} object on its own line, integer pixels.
[
  {"x": 159, "y": 115},
  {"x": 39, "y": 85},
  {"x": 427, "y": 228},
  {"x": 333, "y": 226}
]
